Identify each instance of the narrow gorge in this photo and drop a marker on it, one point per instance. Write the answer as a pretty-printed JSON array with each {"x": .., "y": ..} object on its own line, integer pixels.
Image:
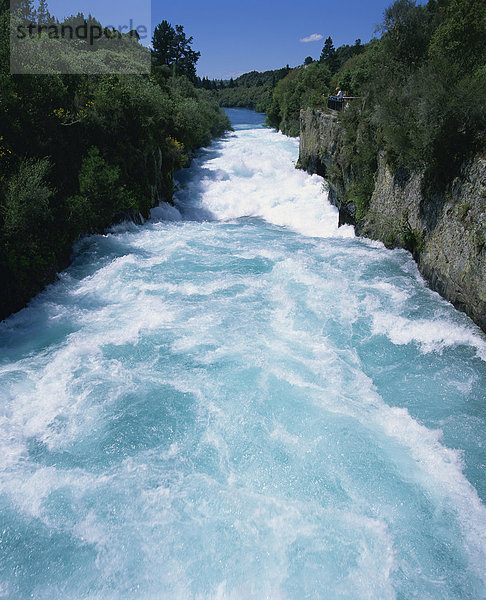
[{"x": 241, "y": 400}]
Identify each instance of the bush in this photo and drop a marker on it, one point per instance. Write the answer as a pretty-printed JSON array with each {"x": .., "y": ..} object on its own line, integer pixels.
[
  {"x": 27, "y": 208},
  {"x": 102, "y": 198},
  {"x": 301, "y": 88}
]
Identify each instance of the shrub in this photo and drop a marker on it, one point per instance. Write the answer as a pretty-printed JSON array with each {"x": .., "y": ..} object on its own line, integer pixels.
[
  {"x": 102, "y": 198},
  {"x": 27, "y": 208}
]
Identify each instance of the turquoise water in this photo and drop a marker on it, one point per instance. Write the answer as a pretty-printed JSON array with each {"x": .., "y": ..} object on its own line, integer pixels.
[{"x": 240, "y": 400}]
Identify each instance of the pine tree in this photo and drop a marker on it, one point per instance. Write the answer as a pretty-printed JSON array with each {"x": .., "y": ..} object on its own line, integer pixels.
[
  {"x": 43, "y": 16},
  {"x": 23, "y": 8},
  {"x": 328, "y": 56},
  {"x": 163, "y": 44},
  {"x": 171, "y": 47}
]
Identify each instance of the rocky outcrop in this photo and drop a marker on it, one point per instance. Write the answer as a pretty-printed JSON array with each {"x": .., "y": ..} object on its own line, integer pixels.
[
  {"x": 319, "y": 153},
  {"x": 319, "y": 140},
  {"x": 445, "y": 233}
]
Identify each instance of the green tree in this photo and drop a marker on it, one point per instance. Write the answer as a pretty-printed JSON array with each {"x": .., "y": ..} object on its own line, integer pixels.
[
  {"x": 406, "y": 33},
  {"x": 26, "y": 250},
  {"x": 172, "y": 48},
  {"x": 328, "y": 56},
  {"x": 102, "y": 197},
  {"x": 23, "y": 8},
  {"x": 461, "y": 36},
  {"x": 27, "y": 205},
  {"x": 43, "y": 15}
]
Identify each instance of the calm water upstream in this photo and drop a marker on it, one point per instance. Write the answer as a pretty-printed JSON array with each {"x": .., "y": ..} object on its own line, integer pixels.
[{"x": 238, "y": 400}]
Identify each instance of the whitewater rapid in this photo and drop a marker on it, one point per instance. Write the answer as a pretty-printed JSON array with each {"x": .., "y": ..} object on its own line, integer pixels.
[{"x": 240, "y": 400}]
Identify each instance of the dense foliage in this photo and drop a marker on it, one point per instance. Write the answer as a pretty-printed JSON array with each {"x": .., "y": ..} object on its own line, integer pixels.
[
  {"x": 252, "y": 90},
  {"x": 301, "y": 88},
  {"x": 79, "y": 152},
  {"x": 421, "y": 92}
]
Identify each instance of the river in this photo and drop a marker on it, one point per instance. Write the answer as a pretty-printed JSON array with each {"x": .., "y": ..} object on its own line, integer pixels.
[{"x": 238, "y": 400}]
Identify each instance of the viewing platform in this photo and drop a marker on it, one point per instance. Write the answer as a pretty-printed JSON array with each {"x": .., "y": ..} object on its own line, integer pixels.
[{"x": 335, "y": 103}]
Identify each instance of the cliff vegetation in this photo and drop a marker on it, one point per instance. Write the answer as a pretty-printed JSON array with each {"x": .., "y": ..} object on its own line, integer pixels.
[{"x": 405, "y": 160}]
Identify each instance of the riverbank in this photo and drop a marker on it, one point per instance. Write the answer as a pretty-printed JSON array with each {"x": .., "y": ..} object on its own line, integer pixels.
[{"x": 444, "y": 232}]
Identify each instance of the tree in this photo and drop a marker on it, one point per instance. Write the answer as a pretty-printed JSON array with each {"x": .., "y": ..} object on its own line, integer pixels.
[
  {"x": 23, "y": 9},
  {"x": 43, "y": 15},
  {"x": 163, "y": 44},
  {"x": 172, "y": 48},
  {"x": 308, "y": 61},
  {"x": 406, "y": 33},
  {"x": 461, "y": 36},
  {"x": 328, "y": 56},
  {"x": 27, "y": 207}
]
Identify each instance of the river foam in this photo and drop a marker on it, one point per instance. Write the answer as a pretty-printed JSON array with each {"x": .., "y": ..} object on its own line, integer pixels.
[
  {"x": 241, "y": 182},
  {"x": 239, "y": 400}
]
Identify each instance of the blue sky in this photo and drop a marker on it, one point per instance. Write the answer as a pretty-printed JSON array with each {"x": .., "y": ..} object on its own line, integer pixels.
[{"x": 235, "y": 37}]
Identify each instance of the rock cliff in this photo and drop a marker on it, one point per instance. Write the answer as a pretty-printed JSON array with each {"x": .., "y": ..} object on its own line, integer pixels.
[{"x": 445, "y": 233}]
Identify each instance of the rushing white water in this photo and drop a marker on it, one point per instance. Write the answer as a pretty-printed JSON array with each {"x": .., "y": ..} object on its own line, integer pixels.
[{"x": 240, "y": 400}]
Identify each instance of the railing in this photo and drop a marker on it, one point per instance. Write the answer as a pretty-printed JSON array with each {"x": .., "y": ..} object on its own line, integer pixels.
[{"x": 335, "y": 103}]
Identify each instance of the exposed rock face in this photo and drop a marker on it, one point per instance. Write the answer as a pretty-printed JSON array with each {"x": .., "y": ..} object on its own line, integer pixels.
[
  {"x": 319, "y": 137},
  {"x": 446, "y": 234},
  {"x": 320, "y": 143}
]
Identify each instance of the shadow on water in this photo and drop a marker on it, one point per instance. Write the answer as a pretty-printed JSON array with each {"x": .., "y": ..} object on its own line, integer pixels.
[{"x": 191, "y": 183}]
